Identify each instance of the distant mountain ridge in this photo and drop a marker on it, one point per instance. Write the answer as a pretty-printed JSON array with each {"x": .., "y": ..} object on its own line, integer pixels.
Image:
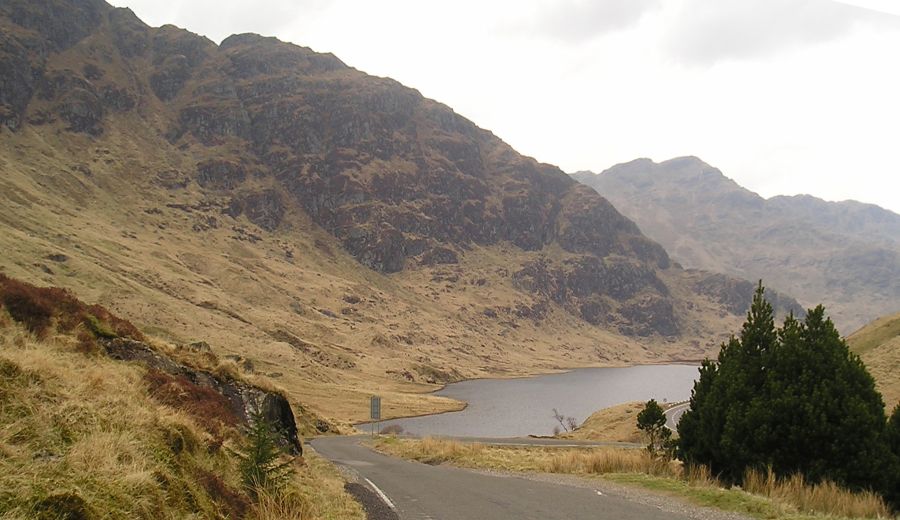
[{"x": 845, "y": 255}]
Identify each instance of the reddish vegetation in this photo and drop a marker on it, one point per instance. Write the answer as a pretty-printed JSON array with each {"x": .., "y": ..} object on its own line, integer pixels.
[
  {"x": 210, "y": 408},
  {"x": 38, "y": 307},
  {"x": 234, "y": 503}
]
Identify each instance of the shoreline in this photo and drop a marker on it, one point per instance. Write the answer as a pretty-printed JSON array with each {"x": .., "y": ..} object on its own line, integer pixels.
[{"x": 465, "y": 405}]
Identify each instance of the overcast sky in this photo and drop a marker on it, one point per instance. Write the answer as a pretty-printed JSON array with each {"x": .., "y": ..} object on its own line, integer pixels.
[{"x": 785, "y": 96}]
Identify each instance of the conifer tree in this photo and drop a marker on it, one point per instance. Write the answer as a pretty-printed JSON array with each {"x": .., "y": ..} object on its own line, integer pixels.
[
  {"x": 652, "y": 421},
  {"x": 892, "y": 435},
  {"x": 263, "y": 464},
  {"x": 827, "y": 419},
  {"x": 794, "y": 399},
  {"x": 725, "y": 427}
]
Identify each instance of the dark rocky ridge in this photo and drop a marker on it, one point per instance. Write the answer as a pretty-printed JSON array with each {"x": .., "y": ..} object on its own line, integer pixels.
[
  {"x": 398, "y": 179},
  {"x": 845, "y": 255}
]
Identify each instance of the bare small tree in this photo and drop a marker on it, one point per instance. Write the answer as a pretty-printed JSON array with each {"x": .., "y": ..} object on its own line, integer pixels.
[{"x": 568, "y": 423}]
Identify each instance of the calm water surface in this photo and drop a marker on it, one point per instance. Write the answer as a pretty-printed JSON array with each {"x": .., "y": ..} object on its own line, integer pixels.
[{"x": 520, "y": 407}]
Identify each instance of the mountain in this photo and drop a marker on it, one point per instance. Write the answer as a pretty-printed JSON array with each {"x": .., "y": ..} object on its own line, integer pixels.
[
  {"x": 335, "y": 232},
  {"x": 845, "y": 255},
  {"x": 878, "y": 344}
]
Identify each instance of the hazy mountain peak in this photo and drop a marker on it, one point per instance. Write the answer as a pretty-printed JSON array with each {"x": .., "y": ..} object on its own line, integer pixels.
[{"x": 843, "y": 254}]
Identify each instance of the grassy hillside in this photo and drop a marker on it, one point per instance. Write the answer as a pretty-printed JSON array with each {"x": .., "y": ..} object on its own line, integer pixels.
[
  {"x": 615, "y": 424},
  {"x": 878, "y": 344},
  {"x": 333, "y": 232},
  {"x": 84, "y": 436}
]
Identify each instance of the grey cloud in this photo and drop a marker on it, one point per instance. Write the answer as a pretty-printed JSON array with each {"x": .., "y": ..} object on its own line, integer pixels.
[
  {"x": 575, "y": 21},
  {"x": 709, "y": 31}
]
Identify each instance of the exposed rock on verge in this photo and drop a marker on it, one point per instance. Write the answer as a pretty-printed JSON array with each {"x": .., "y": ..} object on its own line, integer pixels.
[{"x": 244, "y": 400}]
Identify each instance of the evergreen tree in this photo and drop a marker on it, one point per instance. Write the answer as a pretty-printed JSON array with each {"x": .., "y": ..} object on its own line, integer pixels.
[
  {"x": 725, "y": 428},
  {"x": 825, "y": 414},
  {"x": 652, "y": 421},
  {"x": 700, "y": 428},
  {"x": 794, "y": 399},
  {"x": 892, "y": 433},
  {"x": 892, "y": 436},
  {"x": 263, "y": 464}
]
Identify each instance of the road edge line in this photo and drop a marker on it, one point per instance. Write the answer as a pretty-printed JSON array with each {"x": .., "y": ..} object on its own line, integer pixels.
[
  {"x": 381, "y": 494},
  {"x": 673, "y": 408}
]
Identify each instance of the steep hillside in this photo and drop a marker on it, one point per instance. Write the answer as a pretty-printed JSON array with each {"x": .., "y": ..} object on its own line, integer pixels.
[
  {"x": 84, "y": 434},
  {"x": 845, "y": 255},
  {"x": 336, "y": 232},
  {"x": 878, "y": 344}
]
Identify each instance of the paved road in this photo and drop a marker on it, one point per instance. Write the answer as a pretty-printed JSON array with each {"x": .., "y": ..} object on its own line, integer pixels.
[
  {"x": 673, "y": 415},
  {"x": 420, "y": 491}
]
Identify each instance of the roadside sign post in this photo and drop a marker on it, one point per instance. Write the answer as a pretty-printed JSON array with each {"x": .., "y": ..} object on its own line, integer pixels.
[{"x": 374, "y": 411}]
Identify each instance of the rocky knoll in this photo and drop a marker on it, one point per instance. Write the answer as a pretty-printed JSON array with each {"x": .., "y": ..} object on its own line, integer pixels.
[
  {"x": 93, "y": 329},
  {"x": 845, "y": 255},
  {"x": 267, "y": 133}
]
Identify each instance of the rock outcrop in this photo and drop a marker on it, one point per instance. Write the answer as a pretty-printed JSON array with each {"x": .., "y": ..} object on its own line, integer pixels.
[{"x": 245, "y": 401}]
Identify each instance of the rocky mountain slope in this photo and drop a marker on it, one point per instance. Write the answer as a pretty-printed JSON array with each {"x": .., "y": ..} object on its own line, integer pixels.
[
  {"x": 845, "y": 255},
  {"x": 335, "y": 232}
]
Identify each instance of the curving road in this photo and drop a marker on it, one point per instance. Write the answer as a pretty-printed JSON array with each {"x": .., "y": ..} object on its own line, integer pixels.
[
  {"x": 412, "y": 490},
  {"x": 673, "y": 415}
]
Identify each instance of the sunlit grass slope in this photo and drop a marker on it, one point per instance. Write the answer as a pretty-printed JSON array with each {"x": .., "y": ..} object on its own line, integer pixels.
[
  {"x": 878, "y": 344},
  {"x": 82, "y": 437}
]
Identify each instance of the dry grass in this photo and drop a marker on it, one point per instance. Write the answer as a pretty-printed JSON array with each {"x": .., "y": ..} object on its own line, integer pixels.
[
  {"x": 318, "y": 495},
  {"x": 762, "y": 496},
  {"x": 878, "y": 343},
  {"x": 827, "y": 497},
  {"x": 81, "y": 435},
  {"x": 615, "y": 424},
  {"x": 531, "y": 458}
]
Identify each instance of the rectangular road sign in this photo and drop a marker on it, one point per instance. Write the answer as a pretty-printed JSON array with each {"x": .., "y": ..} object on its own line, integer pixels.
[{"x": 375, "y": 408}]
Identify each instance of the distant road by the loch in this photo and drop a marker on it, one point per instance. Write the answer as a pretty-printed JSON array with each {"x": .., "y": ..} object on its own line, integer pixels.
[{"x": 673, "y": 415}]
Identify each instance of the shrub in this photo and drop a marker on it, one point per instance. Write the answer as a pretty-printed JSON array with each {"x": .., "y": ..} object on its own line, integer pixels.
[
  {"x": 263, "y": 465},
  {"x": 392, "y": 429},
  {"x": 652, "y": 421},
  {"x": 234, "y": 503},
  {"x": 209, "y": 408},
  {"x": 37, "y": 307},
  {"x": 26, "y": 305},
  {"x": 63, "y": 505}
]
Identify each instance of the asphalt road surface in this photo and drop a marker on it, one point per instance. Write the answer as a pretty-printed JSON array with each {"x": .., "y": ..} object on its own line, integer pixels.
[
  {"x": 418, "y": 491},
  {"x": 673, "y": 415}
]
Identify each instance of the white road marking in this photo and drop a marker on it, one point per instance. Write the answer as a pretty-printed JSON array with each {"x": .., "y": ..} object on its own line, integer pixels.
[
  {"x": 381, "y": 494},
  {"x": 671, "y": 411}
]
